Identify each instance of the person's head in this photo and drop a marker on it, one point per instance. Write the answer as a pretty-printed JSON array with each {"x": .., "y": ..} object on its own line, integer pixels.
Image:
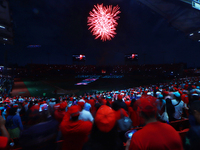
[
  {"x": 105, "y": 118},
  {"x": 31, "y": 103},
  {"x": 42, "y": 117},
  {"x": 115, "y": 106},
  {"x": 177, "y": 96},
  {"x": 13, "y": 111},
  {"x": 195, "y": 109},
  {"x": 37, "y": 115},
  {"x": 119, "y": 97},
  {"x": 107, "y": 103},
  {"x": 165, "y": 93},
  {"x": 194, "y": 97},
  {"x": 87, "y": 106},
  {"x": 81, "y": 103},
  {"x": 97, "y": 106},
  {"x": 63, "y": 105},
  {"x": 160, "y": 97},
  {"x": 104, "y": 134},
  {"x": 168, "y": 101},
  {"x": 132, "y": 102},
  {"x": 147, "y": 107},
  {"x": 74, "y": 112}
]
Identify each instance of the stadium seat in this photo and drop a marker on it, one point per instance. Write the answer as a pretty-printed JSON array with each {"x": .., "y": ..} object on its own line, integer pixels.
[
  {"x": 183, "y": 133},
  {"x": 180, "y": 124}
]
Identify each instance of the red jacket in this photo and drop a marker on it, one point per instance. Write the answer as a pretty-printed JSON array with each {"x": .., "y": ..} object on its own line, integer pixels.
[{"x": 75, "y": 133}]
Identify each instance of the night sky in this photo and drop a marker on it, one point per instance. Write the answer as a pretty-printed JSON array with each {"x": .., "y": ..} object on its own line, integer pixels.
[{"x": 60, "y": 27}]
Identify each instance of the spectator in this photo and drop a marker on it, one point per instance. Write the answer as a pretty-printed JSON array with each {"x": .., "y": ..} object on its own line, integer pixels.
[
  {"x": 119, "y": 104},
  {"x": 192, "y": 120},
  {"x": 41, "y": 135},
  {"x": 193, "y": 136},
  {"x": 60, "y": 113},
  {"x": 84, "y": 114},
  {"x": 75, "y": 132},
  {"x": 179, "y": 106},
  {"x": 96, "y": 106},
  {"x": 161, "y": 104},
  {"x": 185, "y": 99},
  {"x": 120, "y": 113},
  {"x": 87, "y": 106},
  {"x": 92, "y": 103},
  {"x": 136, "y": 119},
  {"x": 4, "y": 138},
  {"x": 104, "y": 135},
  {"x": 154, "y": 135},
  {"x": 4, "y": 113},
  {"x": 170, "y": 109},
  {"x": 14, "y": 123}
]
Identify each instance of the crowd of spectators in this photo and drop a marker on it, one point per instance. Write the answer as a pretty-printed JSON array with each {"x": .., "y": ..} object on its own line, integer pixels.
[
  {"x": 90, "y": 121},
  {"x": 150, "y": 71}
]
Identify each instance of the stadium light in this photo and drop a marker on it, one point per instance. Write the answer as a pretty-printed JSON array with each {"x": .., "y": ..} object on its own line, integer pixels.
[
  {"x": 191, "y": 34},
  {"x": 196, "y": 4},
  {"x": 2, "y": 27}
]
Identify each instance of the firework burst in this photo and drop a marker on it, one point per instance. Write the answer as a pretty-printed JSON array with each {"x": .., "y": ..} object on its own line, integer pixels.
[{"x": 103, "y": 21}]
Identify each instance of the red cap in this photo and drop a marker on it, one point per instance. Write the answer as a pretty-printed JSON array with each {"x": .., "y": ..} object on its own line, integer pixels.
[
  {"x": 81, "y": 103},
  {"x": 128, "y": 103},
  {"x": 175, "y": 89},
  {"x": 74, "y": 110},
  {"x": 166, "y": 92},
  {"x": 147, "y": 104},
  {"x": 63, "y": 105},
  {"x": 71, "y": 98},
  {"x": 56, "y": 106},
  {"x": 105, "y": 118},
  {"x": 104, "y": 101}
]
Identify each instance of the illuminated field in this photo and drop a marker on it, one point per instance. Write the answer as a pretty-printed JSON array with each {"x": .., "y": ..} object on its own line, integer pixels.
[{"x": 66, "y": 86}]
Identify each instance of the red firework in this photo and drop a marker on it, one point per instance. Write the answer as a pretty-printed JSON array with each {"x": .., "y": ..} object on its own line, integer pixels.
[{"x": 103, "y": 21}]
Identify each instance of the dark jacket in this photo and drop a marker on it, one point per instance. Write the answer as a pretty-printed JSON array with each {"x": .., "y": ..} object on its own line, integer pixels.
[
  {"x": 40, "y": 136},
  {"x": 103, "y": 141}
]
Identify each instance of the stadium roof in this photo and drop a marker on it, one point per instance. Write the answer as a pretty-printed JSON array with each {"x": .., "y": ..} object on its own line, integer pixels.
[{"x": 179, "y": 14}]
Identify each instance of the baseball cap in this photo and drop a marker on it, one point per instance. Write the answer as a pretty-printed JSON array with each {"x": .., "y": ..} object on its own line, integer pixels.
[
  {"x": 160, "y": 96},
  {"x": 147, "y": 104},
  {"x": 81, "y": 103},
  {"x": 177, "y": 94},
  {"x": 105, "y": 118},
  {"x": 87, "y": 106},
  {"x": 74, "y": 110},
  {"x": 63, "y": 105}
]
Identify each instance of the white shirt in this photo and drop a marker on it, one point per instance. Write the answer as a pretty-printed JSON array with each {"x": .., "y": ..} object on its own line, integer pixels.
[
  {"x": 178, "y": 108},
  {"x": 85, "y": 116}
]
